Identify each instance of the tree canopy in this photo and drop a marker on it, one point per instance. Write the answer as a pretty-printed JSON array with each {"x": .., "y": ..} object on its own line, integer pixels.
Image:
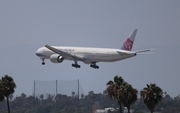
[
  {"x": 122, "y": 92},
  {"x": 7, "y": 86},
  {"x": 152, "y": 95}
]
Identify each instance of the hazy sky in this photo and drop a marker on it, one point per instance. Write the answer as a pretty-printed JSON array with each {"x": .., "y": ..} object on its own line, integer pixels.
[{"x": 27, "y": 25}]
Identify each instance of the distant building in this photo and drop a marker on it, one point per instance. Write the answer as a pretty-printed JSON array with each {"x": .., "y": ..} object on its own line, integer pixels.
[
  {"x": 101, "y": 111},
  {"x": 112, "y": 109},
  {"x": 104, "y": 110},
  {"x": 126, "y": 110}
]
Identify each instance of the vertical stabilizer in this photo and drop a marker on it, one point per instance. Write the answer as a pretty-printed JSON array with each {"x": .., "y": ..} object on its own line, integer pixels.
[{"x": 128, "y": 44}]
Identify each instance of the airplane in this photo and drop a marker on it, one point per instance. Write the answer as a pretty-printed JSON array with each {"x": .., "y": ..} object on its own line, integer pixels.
[{"x": 91, "y": 56}]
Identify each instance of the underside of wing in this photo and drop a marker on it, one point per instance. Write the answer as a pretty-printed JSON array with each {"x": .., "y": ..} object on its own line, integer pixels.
[{"x": 64, "y": 54}]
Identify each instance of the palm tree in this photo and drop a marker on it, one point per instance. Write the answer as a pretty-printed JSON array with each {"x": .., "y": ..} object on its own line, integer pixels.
[
  {"x": 41, "y": 96},
  {"x": 73, "y": 93},
  {"x": 152, "y": 95},
  {"x": 128, "y": 96},
  {"x": 82, "y": 96},
  {"x": 7, "y": 88},
  {"x": 1, "y": 89},
  {"x": 114, "y": 90}
]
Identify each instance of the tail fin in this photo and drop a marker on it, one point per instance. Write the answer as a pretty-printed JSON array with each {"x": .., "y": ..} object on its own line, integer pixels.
[{"x": 128, "y": 44}]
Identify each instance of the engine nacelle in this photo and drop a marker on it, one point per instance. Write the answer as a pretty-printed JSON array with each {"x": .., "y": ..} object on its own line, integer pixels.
[{"x": 56, "y": 58}]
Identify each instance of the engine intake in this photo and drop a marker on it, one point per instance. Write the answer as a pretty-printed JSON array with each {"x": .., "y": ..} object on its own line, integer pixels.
[{"x": 56, "y": 58}]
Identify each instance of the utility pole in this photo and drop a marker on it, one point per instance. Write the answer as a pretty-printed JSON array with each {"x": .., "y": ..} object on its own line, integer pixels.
[
  {"x": 56, "y": 95},
  {"x": 34, "y": 98},
  {"x": 78, "y": 94}
]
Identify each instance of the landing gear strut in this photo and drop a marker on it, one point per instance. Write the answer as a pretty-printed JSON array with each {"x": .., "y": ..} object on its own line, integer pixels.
[
  {"x": 43, "y": 63},
  {"x": 93, "y": 65},
  {"x": 76, "y": 65}
]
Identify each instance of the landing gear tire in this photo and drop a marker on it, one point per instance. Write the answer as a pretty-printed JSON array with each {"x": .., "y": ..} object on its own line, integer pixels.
[
  {"x": 94, "y": 66},
  {"x": 43, "y": 63},
  {"x": 76, "y": 66}
]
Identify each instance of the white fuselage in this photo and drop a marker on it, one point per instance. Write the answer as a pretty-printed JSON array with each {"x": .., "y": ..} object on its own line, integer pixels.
[{"x": 88, "y": 54}]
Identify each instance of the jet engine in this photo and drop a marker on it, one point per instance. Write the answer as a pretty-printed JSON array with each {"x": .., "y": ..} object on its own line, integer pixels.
[{"x": 56, "y": 58}]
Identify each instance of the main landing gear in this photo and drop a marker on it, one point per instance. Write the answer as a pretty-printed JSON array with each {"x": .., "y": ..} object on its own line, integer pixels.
[
  {"x": 76, "y": 65},
  {"x": 93, "y": 65},
  {"x": 43, "y": 63}
]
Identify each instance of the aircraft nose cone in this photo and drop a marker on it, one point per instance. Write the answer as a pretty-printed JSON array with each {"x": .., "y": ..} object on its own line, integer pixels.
[{"x": 37, "y": 52}]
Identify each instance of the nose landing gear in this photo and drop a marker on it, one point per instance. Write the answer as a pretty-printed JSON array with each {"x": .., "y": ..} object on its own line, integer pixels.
[{"x": 43, "y": 63}]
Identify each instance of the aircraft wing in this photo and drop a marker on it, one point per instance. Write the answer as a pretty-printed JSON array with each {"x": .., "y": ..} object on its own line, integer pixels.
[{"x": 64, "y": 54}]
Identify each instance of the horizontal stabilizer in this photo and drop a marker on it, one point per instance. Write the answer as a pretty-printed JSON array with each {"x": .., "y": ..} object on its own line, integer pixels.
[{"x": 141, "y": 51}]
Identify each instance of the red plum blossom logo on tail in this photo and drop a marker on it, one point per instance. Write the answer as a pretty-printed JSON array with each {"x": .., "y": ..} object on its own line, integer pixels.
[{"x": 128, "y": 44}]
